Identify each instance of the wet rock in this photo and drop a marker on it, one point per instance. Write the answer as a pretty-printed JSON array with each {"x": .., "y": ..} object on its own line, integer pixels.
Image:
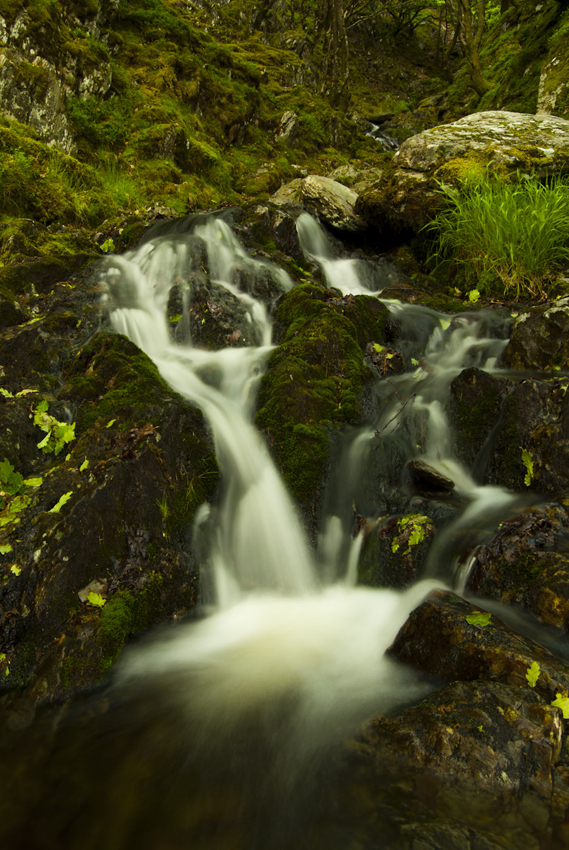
[
  {"x": 532, "y": 445},
  {"x": 217, "y": 318},
  {"x": 526, "y": 563},
  {"x": 394, "y": 551},
  {"x": 426, "y": 479},
  {"x": 438, "y": 639},
  {"x": 475, "y": 411},
  {"x": 406, "y": 198},
  {"x": 475, "y": 753},
  {"x": 111, "y": 509},
  {"x": 489, "y": 737},
  {"x": 539, "y": 339}
]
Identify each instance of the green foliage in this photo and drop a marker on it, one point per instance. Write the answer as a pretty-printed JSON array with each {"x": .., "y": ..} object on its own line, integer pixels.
[
  {"x": 61, "y": 502},
  {"x": 563, "y": 703},
  {"x": 527, "y": 461},
  {"x": 482, "y": 619},
  {"x": 509, "y": 237},
  {"x": 12, "y": 481},
  {"x": 96, "y": 599},
  {"x": 414, "y": 523},
  {"x": 532, "y": 674},
  {"x": 57, "y": 434}
]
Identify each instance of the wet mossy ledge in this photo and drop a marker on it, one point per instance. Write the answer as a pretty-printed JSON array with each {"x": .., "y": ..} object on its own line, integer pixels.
[
  {"x": 315, "y": 380},
  {"x": 95, "y": 547}
]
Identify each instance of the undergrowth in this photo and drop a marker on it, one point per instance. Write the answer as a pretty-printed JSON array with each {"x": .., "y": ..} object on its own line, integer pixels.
[{"x": 506, "y": 238}]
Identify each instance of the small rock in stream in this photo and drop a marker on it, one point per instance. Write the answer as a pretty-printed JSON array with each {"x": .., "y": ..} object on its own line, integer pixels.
[{"x": 425, "y": 478}]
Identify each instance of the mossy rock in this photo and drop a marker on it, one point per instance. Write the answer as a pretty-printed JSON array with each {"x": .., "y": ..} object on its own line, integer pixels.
[
  {"x": 475, "y": 408},
  {"x": 315, "y": 379},
  {"x": 408, "y": 195}
]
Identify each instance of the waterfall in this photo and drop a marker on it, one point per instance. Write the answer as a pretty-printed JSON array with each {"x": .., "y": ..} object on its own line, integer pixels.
[
  {"x": 280, "y": 641},
  {"x": 437, "y": 347}
]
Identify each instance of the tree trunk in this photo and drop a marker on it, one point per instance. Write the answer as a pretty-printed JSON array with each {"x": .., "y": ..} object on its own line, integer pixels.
[
  {"x": 473, "y": 23},
  {"x": 335, "y": 73}
]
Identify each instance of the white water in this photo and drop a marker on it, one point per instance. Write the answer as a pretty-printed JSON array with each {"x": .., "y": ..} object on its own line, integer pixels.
[
  {"x": 442, "y": 347},
  {"x": 278, "y": 638}
]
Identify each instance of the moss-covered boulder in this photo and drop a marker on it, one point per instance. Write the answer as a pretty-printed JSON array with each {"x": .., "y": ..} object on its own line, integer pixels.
[
  {"x": 102, "y": 469},
  {"x": 315, "y": 379},
  {"x": 475, "y": 409},
  {"x": 406, "y": 197},
  {"x": 492, "y": 734}
]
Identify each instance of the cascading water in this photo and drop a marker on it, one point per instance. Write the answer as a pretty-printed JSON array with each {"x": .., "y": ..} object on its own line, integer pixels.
[
  {"x": 437, "y": 348},
  {"x": 223, "y": 733},
  {"x": 305, "y": 658}
]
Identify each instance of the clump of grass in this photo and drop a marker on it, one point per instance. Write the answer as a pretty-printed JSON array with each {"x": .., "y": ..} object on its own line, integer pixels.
[{"x": 513, "y": 234}]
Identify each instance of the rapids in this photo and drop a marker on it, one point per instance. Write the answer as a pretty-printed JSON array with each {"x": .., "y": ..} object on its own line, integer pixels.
[
  {"x": 228, "y": 730},
  {"x": 278, "y": 633}
]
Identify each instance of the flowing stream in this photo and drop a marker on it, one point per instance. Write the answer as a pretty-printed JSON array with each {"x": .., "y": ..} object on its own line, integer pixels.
[
  {"x": 251, "y": 703},
  {"x": 302, "y": 655}
]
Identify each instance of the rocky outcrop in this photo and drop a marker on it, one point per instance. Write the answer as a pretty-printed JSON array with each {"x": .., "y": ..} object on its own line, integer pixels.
[
  {"x": 331, "y": 201},
  {"x": 539, "y": 338},
  {"x": 553, "y": 93},
  {"x": 407, "y": 196},
  {"x": 492, "y": 737},
  {"x": 32, "y": 92}
]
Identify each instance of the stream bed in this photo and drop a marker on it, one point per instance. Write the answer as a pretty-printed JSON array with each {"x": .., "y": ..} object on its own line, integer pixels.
[{"x": 247, "y": 723}]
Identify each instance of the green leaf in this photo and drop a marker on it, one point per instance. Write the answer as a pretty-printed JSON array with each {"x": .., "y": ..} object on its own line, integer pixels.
[
  {"x": 563, "y": 703},
  {"x": 108, "y": 246},
  {"x": 3, "y": 658},
  {"x": 445, "y": 323},
  {"x": 111, "y": 422},
  {"x": 6, "y": 393},
  {"x": 532, "y": 674},
  {"x": 96, "y": 599},
  {"x": 473, "y": 296},
  {"x": 481, "y": 619},
  {"x": 84, "y": 465},
  {"x": 527, "y": 461},
  {"x": 12, "y": 481},
  {"x": 57, "y": 433},
  {"x": 5, "y": 548},
  {"x": 378, "y": 348},
  {"x": 414, "y": 361},
  {"x": 15, "y": 569},
  {"x": 44, "y": 444},
  {"x": 19, "y": 504},
  {"x": 33, "y": 482},
  {"x": 6, "y": 520},
  {"x": 58, "y": 506}
]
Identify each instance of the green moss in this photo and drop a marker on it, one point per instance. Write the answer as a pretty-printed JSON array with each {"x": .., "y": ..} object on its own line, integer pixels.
[
  {"x": 315, "y": 378},
  {"x": 126, "y": 614},
  {"x": 112, "y": 360}
]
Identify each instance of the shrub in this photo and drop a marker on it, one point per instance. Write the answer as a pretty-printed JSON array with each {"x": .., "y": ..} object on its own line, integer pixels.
[{"x": 516, "y": 234}]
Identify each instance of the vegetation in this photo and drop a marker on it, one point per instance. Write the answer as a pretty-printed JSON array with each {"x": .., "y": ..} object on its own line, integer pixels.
[{"x": 505, "y": 237}]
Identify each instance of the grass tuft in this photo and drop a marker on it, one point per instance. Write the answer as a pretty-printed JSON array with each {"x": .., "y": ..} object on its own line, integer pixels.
[{"x": 512, "y": 237}]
